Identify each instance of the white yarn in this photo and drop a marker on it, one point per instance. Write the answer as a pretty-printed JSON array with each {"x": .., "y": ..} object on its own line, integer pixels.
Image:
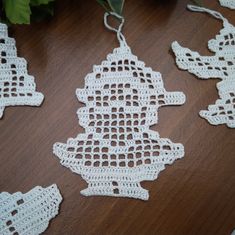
[
  {"x": 228, "y": 3},
  {"x": 118, "y": 150},
  {"x": 16, "y": 86},
  {"x": 29, "y": 213},
  {"x": 221, "y": 65}
]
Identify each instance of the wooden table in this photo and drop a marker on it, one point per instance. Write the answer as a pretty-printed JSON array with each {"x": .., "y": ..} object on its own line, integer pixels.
[{"x": 196, "y": 195}]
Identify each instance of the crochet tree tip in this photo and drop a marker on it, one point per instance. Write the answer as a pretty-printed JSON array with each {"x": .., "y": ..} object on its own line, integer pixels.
[{"x": 16, "y": 86}]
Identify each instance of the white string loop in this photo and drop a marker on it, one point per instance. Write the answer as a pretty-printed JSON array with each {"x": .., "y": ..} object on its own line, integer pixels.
[
  {"x": 120, "y": 36},
  {"x": 216, "y": 14}
]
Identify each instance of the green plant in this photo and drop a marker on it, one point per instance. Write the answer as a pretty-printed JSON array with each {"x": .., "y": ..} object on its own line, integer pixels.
[
  {"x": 198, "y": 2},
  {"x": 117, "y": 5},
  {"x": 23, "y": 11},
  {"x": 112, "y": 5}
]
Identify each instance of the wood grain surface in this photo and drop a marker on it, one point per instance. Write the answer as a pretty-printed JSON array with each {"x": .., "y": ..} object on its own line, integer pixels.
[{"x": 196, "y": 195}]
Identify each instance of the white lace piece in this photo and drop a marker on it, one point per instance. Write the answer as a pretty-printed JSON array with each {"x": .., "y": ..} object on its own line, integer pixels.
[
  {"x": 16, "y": 86},
  {"x": 221, "y": 65},
  {"x": 228, "y": 3},
  {"x": 118, "y": 150},
  {"x": 28, "y": 213}
]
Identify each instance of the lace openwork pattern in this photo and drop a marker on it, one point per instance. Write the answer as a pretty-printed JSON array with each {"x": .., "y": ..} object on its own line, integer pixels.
[
  {"x": 227, "y": 3},
  {"x": 16, "y": 86},
  {"x": 28, "y": 213},
  {"x": 221, "y": 65},
  {"x": 118, "y": 150}
]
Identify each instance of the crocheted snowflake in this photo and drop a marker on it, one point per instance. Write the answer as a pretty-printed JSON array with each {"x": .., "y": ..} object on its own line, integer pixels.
[
  {"x": 221, "y": 65},
  {"x": 28, "y": 213},
  {"x": 16, "y": 86},
  {"x": 118, "y": 150}
]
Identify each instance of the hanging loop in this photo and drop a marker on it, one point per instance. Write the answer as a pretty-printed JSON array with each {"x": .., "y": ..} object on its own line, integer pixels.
[
  {"x": 120, "y": 36},
  {"x": 216, "y": 14}
]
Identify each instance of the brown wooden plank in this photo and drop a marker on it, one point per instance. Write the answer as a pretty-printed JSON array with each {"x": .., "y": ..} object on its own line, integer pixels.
[{"x": 196, "y": 195}]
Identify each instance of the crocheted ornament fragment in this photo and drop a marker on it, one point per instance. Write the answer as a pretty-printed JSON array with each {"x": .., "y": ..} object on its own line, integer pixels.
[
  {"x": 28, "y": 213},
  {"x": 16, "y": 86},
  {"x": 227, "y": 3},
  {"x": 118, "y": 150},
  {"x": 221, "y": 65}
]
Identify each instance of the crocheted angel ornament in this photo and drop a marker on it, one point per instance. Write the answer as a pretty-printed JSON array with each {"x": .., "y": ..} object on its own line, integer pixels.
[
  {"x": 118, "y": 150},
  {"x": 227, "y": 3},
  {"x": 16, "y": 86},
  {"x": 28, "y": 213},
  {"x": 221, "y": 65}
]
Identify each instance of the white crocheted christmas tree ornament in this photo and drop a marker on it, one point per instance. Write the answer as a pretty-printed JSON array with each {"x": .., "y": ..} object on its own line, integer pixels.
[
  {"x": 28, "y": 213},
  {"x": 228, "y": 3},
  {"x": 118, "y": 150},
  {"x": 221, "y": 65},
  {"x": 16, "y": 86}
]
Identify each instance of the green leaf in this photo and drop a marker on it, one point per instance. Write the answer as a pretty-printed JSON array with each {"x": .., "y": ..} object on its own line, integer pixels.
[
  {"x": 18, "y": 12},
  {"x": 198, "y": 2},
  {"x": 42, "y": 11},
  {"x": 104, "y": 4},
  {"x": 40, "y": 2},
  {"x": 116, "y": 5}
]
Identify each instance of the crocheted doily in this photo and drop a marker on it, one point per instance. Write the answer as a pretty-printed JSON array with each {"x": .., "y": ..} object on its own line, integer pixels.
[
  {"x": 227, "y": 3},
  {"x": 16, "y": 86},
  {"x": 221, "y": 65},
  {"x": 28, "y": 213},
  {"x": 118, "y": 150}
]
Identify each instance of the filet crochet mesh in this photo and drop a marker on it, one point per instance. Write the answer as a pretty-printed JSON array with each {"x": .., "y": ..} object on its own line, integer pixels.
[
  {"x": 16, "y": 86},
  {"x": 118, "y": 150},
  {"x": 227, "y": 3},
  {"x": 28, "y": 213},
  {"x": 221, "y": 65}
]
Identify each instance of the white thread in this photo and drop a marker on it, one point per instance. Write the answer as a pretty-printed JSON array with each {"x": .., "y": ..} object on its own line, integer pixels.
[
  {"x": 221, "y": 65},
  {"x": 28, "y": 213},
  {"x": 203, "y": 9},
  {"x": 16, "y": 86},
  {"x": 118, "y": 150},
  {"x": 120, "y": 36}
]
